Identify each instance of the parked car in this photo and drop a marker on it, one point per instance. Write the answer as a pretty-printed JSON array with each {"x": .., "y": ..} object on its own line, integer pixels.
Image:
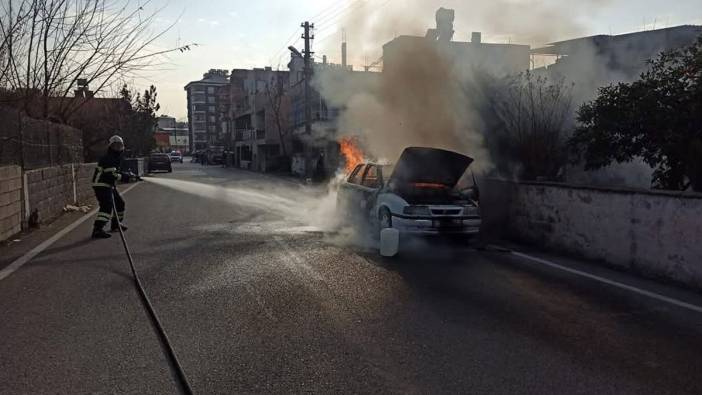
[
  {"x": 176, "y": 156},
  {"x": 215, "y": 155},
  {"x": 158, "y": 161},
  {"x": 419, "y": 195}
]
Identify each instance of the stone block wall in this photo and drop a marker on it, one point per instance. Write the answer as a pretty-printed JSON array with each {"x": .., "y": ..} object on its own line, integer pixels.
[
  {"x": 35, "y": 144},
  {"x": 10, "y": 201},
  {"x": 657, "y": 234},
  {"x": 50, "y": 189}
]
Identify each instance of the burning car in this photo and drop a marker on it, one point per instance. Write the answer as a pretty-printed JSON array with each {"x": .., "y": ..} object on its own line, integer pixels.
[{"x": 429, "y": 191}]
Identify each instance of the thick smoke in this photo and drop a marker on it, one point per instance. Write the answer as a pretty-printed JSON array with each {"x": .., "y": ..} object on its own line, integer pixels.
[
  {"x": 420, "y": 103},
  {"x": 423, "y": 100},
  {"x": 370, "y": 26}
]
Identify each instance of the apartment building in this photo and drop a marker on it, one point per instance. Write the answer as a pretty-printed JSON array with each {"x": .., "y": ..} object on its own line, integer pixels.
[
  {"x": 259, "y": 117},
  {"x": 207, "y": 110}
]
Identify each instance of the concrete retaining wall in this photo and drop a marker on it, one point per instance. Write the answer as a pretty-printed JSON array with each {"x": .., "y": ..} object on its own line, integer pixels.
[
  {"x": 656, "y": 234},
  {"x": 10, "y": 201}
]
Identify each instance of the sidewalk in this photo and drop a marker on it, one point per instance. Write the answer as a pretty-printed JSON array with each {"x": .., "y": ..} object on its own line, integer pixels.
[{"x": 20, "y": 244}]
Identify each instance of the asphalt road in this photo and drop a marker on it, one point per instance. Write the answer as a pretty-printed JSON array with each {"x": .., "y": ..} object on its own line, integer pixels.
[{"x": 257, "y": 296}]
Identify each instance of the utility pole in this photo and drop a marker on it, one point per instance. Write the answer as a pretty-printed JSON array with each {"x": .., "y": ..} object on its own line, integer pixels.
[
  {"x": 308, "y": 75},
  {"x": 308, "y": 105}
]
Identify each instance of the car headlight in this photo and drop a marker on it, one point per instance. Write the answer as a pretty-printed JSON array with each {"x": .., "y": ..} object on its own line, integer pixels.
[
  {"x": 416, "y": 210},
  {"x": 471, "y": 211}
]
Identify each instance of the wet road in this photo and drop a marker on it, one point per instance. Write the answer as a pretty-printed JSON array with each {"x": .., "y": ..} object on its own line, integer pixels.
[{"x": 257, "y": 298}]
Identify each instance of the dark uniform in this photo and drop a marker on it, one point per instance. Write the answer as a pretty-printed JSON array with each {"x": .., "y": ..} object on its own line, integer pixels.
[{"x": 107, "y": 173}]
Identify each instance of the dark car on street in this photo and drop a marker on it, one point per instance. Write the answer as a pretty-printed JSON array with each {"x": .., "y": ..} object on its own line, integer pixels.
[{"x": 160, "y": 162}]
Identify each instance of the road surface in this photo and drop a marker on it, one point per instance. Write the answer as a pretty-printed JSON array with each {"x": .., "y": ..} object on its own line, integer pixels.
[{"x": 258, "y": 297}]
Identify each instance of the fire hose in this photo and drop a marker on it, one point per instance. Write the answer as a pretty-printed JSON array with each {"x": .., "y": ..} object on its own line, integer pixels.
[{"x": 163, "y": 337}]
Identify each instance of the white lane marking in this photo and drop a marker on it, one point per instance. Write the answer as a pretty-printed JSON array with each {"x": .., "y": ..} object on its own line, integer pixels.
[
  {"x": 650, "y": 294},
  {"x": 17, "y": 263}
]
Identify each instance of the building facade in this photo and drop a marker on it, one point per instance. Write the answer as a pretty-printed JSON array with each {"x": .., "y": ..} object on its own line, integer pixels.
[
  {"x": 595, "y": 61},
  {"x": 207, "y": 109},
  {"x": 498, "y": 59},
  {"x": 258, "y": 111},
  {"x": 178, "y": 135}
]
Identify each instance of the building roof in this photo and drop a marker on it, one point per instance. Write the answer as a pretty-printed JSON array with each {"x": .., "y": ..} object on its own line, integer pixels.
[
  {"x": 408, "y": 39},
  {"x": 565, "y": 47},
  {"x": 210, "y": 80}
]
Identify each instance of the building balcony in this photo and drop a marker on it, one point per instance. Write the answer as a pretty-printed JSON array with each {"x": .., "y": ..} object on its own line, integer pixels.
[{"x": 244, "y": 134}]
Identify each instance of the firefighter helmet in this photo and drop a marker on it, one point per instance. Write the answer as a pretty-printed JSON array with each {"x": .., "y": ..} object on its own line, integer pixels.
[{"x": 117, "y": 143}]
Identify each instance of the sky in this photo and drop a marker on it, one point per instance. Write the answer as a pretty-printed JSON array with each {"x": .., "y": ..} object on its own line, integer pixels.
[{"x": 245, "y": 34}]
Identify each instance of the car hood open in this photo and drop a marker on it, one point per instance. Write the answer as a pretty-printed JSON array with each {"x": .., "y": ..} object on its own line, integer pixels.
[{"x": 430, "y": 165}]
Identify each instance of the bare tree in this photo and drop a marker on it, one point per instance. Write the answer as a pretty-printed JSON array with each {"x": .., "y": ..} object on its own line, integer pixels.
[
  {"x": 275, "y": 93},
  {"x": 51, "y": 49},
  {"x": 534, "y": 112}
]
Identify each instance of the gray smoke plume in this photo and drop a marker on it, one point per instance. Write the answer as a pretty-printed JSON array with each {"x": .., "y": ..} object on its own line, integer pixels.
[{"x": 423, "y": 100}]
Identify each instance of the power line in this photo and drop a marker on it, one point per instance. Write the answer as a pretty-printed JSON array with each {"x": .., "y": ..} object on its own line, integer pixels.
[
  {"x": 326, "y": 37},
  {"x": 333, "y": 9},
  {"x": 333, "y": 17},
  {"x": 326, "y": 10},
  {"x": 286, "y": 44}
]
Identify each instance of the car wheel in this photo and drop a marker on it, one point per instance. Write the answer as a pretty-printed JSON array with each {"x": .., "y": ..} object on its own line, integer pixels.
[{"x": 384, "y": 219}]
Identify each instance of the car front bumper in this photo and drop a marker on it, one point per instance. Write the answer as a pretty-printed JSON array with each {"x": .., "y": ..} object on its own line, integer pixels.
[
  {"x": 160, "y": 166},
  {"x": 437, "y": 225}
]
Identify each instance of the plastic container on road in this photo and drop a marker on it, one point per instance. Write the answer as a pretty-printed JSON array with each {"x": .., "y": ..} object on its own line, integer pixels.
[{"x": 389, "y": 242}]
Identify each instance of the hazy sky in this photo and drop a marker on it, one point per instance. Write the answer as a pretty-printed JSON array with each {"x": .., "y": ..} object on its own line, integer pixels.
[{"x": 244, "y": 34}]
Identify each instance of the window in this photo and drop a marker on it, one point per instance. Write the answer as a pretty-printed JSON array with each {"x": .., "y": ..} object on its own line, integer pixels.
[
  {"x": 211, "y": 109},
  {"x": 355, "y": 177},
  {"x": 210, "y": 89},
  {"x": 371, "y": 179},
  {"x": 199, "y": 117},
  {"x": 212, "y": 118},
  {"x": 210, "y": 99},
  {"x": 198, "y": 98}
]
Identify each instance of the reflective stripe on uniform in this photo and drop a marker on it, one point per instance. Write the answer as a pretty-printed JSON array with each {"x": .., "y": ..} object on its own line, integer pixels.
[
  {"x": 103, "y": 217},
  {"x": 98, "y": 174},
  {"x": 110, "y": 170},
  {"x": 102, "y": 184}
]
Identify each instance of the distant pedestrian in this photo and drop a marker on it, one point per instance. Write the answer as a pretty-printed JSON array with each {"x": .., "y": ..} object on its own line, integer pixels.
[{"x": 320, "y": 173}]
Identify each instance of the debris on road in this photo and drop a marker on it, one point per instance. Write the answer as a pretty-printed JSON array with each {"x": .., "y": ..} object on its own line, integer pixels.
[{"x": 72, "y": 208}]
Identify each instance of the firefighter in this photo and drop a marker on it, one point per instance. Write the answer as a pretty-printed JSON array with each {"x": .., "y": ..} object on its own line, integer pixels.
[{"x": 107, "y": 173}]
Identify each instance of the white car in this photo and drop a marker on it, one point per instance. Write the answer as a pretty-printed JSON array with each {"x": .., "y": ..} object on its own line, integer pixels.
[
  {"x": 429, "y": 191},
  {"x": 176, "y": 156}
]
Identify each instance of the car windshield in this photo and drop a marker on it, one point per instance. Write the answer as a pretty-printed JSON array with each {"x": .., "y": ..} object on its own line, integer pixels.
[{"x": 196, "y": 197}]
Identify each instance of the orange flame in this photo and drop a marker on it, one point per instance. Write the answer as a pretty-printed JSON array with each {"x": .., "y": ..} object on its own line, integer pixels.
[{"x": 352, "y": 153}]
